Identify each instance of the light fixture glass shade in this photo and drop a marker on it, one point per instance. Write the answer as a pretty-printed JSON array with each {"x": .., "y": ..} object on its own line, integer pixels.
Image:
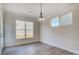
[{"x": 41, "y": 19}]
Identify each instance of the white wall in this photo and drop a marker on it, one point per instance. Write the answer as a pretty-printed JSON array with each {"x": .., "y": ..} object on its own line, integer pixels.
[
  {"x": 10, "y": 29},
  {"x": 67, "y": 37},
  {"x": 1, "y": 20}
]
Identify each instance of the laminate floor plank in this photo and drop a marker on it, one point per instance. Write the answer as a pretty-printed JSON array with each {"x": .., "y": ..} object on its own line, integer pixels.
[{"x": 35, "y": 49}]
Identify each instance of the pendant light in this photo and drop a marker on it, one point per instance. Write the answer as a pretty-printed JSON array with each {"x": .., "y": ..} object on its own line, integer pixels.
[{"x": 41, "y": 14}]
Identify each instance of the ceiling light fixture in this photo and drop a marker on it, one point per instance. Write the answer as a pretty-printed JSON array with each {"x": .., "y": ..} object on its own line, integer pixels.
[{"x": 41, "y": 14}]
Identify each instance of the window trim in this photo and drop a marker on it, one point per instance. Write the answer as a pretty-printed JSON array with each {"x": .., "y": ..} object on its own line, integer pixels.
[
  {"x": 25, "y": 30},
  {"x": 60, "y": 19}
]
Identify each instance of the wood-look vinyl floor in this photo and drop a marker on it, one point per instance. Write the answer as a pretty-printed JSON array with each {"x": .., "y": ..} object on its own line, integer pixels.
[{"x": 35, "y": 49}]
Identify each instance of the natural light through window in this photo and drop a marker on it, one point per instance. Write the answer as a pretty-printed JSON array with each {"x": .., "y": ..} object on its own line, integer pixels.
[
  {"x": 29, "y": 29},
  {"x": 66, "y": 19},
  {"x": 55, "y": 22},
  {"x": 24, "y": 29}
]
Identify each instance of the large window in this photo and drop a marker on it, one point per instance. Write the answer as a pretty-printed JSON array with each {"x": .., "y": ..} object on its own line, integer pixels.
[
  {"x": 29, "y": 29},
  {"x": 24, "y": 29},
  {"x": 65, "y": 19},
  {"x": 55, "y": 22}
]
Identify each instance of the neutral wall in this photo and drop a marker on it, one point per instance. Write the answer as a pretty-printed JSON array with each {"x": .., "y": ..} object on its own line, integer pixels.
[
  {"x": 65, "y": 37},
  {"x": 1, "y": 20},
  {"x": 10, "y": 29}
]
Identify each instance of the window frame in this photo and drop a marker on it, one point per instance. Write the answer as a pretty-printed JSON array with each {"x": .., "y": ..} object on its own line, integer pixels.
[
  {"x": 25, "y": 30},
  {"x": 66, "y": 15},
  {"x": 55, "y": 19},
  {"x": 60, "y": 19}
]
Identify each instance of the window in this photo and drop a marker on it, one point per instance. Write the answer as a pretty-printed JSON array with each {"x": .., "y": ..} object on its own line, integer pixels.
[
  {"x": 29, "y": 29},
  {"x": 20, "y": 29},
  {"x": 66, "y": 19},
  {"x": 62, "y": 20},
  {"x": 55, "y": 22},
  {"x": 24, "y": 29}
]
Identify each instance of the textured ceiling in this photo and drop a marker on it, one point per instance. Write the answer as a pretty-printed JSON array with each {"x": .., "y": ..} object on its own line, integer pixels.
[{"x": 33, "y": 9}]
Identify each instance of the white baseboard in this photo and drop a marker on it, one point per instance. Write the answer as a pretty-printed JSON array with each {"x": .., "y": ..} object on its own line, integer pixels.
[
  {"x": 72, "y": 51},
  {"x": 10, "y": 45}
]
